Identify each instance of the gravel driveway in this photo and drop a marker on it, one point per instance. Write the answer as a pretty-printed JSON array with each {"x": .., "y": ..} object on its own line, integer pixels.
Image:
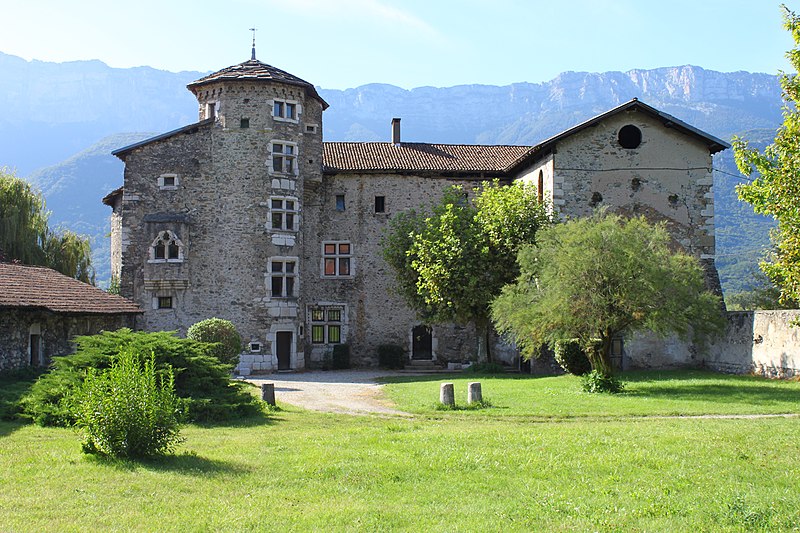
[{"x": 336, "y": 391}]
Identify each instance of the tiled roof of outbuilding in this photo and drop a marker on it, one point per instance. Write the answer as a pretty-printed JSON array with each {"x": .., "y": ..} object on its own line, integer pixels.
[
  {"x": 420, "y": 157},
  {"x": 32, "y": 287},
  {"x": 255, "y": 70}
]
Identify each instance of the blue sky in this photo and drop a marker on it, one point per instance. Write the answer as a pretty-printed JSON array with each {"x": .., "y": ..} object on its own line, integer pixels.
[{"x": 410, "y": 43}]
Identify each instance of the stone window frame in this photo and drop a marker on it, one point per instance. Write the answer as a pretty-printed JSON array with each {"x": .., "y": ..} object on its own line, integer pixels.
[
  {"x": 283, "y": 211},
  {"x": 289, "y": 277},
  {"x": 311, "y": 128},
  {"x": 280, "y": 107},
  {"x": 255, "y": 347},
  {"x": 169, "y": 239},
  {"x": 326, "y": 323},
  {"x": 163, "y": 182},
  {"x": 211, "y": 109},
  {"x": 160, "y": 298},
  {"x": 333, "y": 256},
  {"x": 293, "y": 156}
]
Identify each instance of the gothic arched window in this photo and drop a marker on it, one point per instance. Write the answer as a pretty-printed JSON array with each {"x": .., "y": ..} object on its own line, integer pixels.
[{"x": 166, "y": 247}]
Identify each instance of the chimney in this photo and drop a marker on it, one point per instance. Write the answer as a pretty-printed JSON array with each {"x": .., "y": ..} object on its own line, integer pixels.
[{"x": 395, "y": 131}]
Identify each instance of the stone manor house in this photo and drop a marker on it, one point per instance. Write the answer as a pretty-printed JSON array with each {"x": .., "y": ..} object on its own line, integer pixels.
[{"x": 248, "y": 215}]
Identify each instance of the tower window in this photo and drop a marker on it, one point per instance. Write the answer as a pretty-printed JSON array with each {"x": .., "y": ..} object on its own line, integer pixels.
[
  {"x": 245, "y": 123},
  {"x": 282, "y": 278},
  {"x": 166, "y": 248},
  {"x": 284, "y": 156},
  {"x": 285, "y": 110},
  {"x": 283, "y": 213},
  {"x": 340, "y": 202},
  {"x": 380, "y": 204}
]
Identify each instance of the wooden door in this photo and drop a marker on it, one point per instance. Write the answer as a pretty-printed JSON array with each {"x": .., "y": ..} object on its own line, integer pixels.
[{"x": 283, "y": 349}]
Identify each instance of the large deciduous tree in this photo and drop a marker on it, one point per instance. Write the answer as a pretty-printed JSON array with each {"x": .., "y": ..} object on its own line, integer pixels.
[
  {"x": 775, "y": 189},
  {"x": 450, "y": 264},
  {"x": 25, "y": 235},
  {"x": 595, "y": 278}
]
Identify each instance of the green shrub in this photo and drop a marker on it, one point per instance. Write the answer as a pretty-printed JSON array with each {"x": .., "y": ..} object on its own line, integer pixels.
[
  {"x": 486, "y": 368},
  {"x": 128, "y": 410},
  {"x": 391, "y": 356},
  {"x": 341, "y": 356},
  {"x": 594, "y": 381},
  {"x": 201, "y": 380},
  {"x": 222, "y": 334},
  {"x": 570, "y": 356}
]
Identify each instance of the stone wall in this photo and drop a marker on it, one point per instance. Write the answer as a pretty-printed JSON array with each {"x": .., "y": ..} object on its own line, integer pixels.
[
  {"x": 55, "y": 333},
  {"x": 220, "y": 210},
  {"x": 762, "y": 342},
  {"x": 376, "y": 315}
]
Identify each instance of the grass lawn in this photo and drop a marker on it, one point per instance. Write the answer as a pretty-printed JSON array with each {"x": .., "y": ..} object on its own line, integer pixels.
[
  {"x": 678, "y": 392},
  {"x": 444, "y": 471}
]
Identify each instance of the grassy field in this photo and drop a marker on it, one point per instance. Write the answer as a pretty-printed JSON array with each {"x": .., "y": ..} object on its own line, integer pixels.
[
  {"x": 442, "y": 471},
  {"x": 646, "y": 393}
]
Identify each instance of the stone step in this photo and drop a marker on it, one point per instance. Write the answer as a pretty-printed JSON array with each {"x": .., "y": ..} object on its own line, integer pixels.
[{"x": 421, "y": 363}]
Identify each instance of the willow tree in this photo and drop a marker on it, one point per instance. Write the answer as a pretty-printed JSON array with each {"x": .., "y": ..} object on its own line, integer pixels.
[
  {"x": 25, "y": 235},
  {"x": 595, "y": 278},
  {"x": 451, "y": 263},
  {"x": 775, "y": 189}
]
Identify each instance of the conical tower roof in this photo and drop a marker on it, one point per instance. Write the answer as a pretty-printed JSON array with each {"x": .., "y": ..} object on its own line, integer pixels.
[{"x": 255, "y": 70}]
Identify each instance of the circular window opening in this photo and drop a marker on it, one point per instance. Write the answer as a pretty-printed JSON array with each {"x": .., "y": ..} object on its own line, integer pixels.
[{"x": 629, "y": 137}]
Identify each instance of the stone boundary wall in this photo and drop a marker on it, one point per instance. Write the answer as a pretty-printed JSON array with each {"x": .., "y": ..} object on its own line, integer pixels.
[{"x": 761, "y": 342}]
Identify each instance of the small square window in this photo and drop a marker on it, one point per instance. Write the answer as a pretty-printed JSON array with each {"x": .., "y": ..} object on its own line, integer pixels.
[
  {"x": 255, "y": 346},
  {"x": 340, "y": 202},
  {"x": 380, "y": 204},
  {"x": 311, "y": 128},
  {"x": 168, "y": 182},
  {"x": 165, "y": 302},
  {"x": 245, "y": 123}
]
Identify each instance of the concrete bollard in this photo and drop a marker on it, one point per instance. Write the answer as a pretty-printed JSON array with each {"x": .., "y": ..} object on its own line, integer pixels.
[
  {"x": 474, "y": 392},
  {"x": 268, "y": 393},
  {"x": 446, "y": 394}
]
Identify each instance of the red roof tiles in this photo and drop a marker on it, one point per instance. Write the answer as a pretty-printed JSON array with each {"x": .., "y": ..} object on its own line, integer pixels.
[
  {"x": 420, "y": 157},
  {"x": 23, "y": 286}
]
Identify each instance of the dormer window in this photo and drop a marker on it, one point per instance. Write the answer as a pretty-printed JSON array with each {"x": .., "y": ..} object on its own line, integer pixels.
[
  {"x": 285, "y": 110},
  {"x": 166, "y": 248}
]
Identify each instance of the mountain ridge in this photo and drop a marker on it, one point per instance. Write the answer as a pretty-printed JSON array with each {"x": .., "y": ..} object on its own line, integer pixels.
[{"x": 60, "y": 109}]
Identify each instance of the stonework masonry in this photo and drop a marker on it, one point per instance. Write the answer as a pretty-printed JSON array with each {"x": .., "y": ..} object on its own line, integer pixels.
[
  {"x": 32, "y": 338},
  {"x": 240, "y": 215}
]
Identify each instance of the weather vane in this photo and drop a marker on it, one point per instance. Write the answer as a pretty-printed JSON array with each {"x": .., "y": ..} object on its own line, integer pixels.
[{"x": 253, "y": 56}]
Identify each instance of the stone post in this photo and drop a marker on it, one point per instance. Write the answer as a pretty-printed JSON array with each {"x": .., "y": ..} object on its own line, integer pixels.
[
  {"x": 268, "y": 393},
  {"x": 474, "y": 392},
  {"x": 446, "y": 394}
]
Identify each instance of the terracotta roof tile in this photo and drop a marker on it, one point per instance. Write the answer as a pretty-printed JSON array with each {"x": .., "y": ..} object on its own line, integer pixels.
[
  {"x": 23, "y": 286},
  {"x": 420, "y": 157}
]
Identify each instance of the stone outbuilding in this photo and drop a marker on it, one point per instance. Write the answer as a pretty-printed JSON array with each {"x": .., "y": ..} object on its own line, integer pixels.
[
  {"x": 248, "y": 215},
  {"x": 41, "y": 311}
]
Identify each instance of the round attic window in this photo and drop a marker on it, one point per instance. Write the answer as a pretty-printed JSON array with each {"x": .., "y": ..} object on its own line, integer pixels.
[{"x": 629, "y": 136}]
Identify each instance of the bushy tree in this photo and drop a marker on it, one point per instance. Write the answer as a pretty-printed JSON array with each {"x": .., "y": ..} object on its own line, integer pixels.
[
  {"x": 128, "y": 410},
  {"x": 775, "y": 189},
  {"x": 201, "y": 381},
  {"x": 595, "y": 278},
  {"x": 26, "y": 237},
  {"x": 222, "y": 333},
  {"x": 451, "y": 263}
]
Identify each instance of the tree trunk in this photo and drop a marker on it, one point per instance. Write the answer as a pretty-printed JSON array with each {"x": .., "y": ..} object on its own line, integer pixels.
[
  {"x": 482, "y": 334},
  {"x": 598, "y": 354}
]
